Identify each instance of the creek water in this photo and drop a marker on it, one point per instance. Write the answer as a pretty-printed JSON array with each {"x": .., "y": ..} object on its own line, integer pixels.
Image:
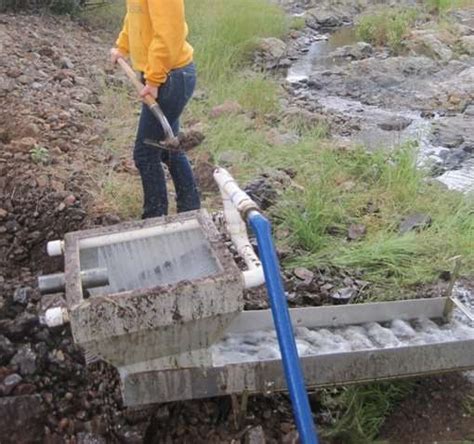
[{"x": 319, "y": 57}]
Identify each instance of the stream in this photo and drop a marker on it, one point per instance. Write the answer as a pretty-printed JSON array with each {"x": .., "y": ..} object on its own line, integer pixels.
[{"x": 327, "y": 73}]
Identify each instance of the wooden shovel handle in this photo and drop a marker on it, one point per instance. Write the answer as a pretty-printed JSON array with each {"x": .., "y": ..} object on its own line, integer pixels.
[{"x": 148, "y": 99}]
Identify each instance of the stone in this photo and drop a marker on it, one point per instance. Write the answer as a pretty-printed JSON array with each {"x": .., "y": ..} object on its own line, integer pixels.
[
  {"x": 7, "y": 350},
  {"x": 469, "y": 111},
  {"x": 229, "y": 107},
  {"x": 356, "y": 231},
  {"x": 467, "y": 43},
  {"x": 10, "y": 382},
  {"x": 25, "y": 359},
  {"x": 25, "y": 144},
  {"x": 84, "y": 108},
  {"x": 22, "y": 419},
  {"x": 3, "y": 213},
  {"x": 422, "y": 42},
  {"x": 22, "y": 295},
  {"x": 271, "y": 48},
  {"x": 274, "y": 137},
  {"x": 416, "y": 221},
  {"x": 323, "y": 18},
  {"x": 291, "y": 438},
  {"x": 343, "y": 295},
  {"x": 255, "y": 435},
  {"x": 395, "y": 123},
  {"x": 304, "y": 274},
  {"x": 90, "y": 438},
  {"x": 359, "y": 51},
  {"x": 66, "y": 62},
  {"x": 452, "y": 132}
]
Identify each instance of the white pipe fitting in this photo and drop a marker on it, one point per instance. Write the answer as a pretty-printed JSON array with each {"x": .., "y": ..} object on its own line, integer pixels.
[
  {"x": 55, "y": 248},
  {"x": 55, "y": 317},
  {"x": 236, "y": 203}
]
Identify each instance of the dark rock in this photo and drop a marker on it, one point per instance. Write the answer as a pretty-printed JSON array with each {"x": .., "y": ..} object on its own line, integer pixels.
[
  {"x": 22, "y": 419},
  {"x": 395, "y": 123},
  {"x": 7, "y": 350},
  {"x": 23, "y": 325},
  {"x": 416, "y": 221},
  {"x": 22, "y": 295},
  {"x": 343, "y": 296},
  {"x": 25, "y": 359}
]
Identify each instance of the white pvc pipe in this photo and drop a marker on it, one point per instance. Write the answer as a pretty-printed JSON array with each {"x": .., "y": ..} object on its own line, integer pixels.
[
  {"x": 237, "y": 202},
  {"x": 56, "y": 248}
]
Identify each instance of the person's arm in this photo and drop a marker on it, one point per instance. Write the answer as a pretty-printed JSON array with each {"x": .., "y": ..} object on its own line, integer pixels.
[
  {"x": 169, "y": 35},
  {"x": 122, "y": 43}
]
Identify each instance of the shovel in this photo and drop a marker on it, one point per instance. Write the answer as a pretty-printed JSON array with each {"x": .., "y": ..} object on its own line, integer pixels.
[{"x": 183, "y": 142}]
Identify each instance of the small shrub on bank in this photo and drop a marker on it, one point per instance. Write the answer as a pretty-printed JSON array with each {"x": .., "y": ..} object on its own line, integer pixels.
[{"x": 387, "y": 27}]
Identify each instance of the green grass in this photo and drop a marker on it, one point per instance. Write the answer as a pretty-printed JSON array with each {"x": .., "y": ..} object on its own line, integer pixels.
[
  {"x": 224, "y": 32},
  {"x": 387, "y": 27},
  {"x": 363, "y": 409},
  {"x": 441, "y": 6},
  {"x": 341, "y": 186}
]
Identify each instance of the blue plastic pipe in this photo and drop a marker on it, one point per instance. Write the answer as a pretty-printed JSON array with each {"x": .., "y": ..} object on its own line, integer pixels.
[{"x": 281, "y": 318}]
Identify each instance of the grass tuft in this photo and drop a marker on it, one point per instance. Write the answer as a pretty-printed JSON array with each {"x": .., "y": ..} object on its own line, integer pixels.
[{"x": 387, "y": 27}]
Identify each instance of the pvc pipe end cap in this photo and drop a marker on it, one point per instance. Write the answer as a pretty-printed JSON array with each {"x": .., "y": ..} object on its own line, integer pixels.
[
  {"x": 54, "y": 317},
  {"x": 55, "y": 248}
]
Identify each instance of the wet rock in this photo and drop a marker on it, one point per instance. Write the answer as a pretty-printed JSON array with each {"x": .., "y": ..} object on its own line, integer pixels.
[
  {"x": 255, "y": 435},
  {"x": 417, "y": 221},
  {"x": 469, "y": 111},
  {"x": 10, "y": 382},
  {"x": 452, "y": 132},
  {"x": 395, "y": 123},
  {"x": 324, "y": 18},
  {"x": 22, "y": 419},
  {"x": 228, "y": 108},
  {"x": 22, "y": 295},
  {"x": 467, "y": 43},
  {"x": 25, "y": 359},
  {"x": 356, "y": 231},
  {"x": 7, "y": 350},
  {"x": 359, "y": 51}
]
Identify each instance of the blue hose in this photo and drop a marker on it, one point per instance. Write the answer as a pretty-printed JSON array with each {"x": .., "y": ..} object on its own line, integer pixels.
[{"x": 281, "y": 318}]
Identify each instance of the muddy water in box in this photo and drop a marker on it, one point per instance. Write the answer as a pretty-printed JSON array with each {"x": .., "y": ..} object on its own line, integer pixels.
[{"x": 163, "y": 259}]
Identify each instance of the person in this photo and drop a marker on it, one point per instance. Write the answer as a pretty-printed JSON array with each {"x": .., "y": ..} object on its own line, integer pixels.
[{"x": 154, "y": 36}]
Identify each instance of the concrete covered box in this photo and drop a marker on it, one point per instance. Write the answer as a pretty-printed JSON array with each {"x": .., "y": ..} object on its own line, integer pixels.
[{"x": 173, "y": 290}]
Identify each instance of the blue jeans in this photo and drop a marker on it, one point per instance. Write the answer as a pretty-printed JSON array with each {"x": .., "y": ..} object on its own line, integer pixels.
[{"x": 173, "y": 96}]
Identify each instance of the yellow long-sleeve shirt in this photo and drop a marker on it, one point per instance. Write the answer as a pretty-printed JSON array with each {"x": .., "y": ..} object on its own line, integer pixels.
[{"x": 154, "y": 35}]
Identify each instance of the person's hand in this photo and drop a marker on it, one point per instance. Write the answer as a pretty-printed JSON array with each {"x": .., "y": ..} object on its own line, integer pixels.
[
  {"x": 149, "y": 90},
  {"x": 115, "y": 54}
]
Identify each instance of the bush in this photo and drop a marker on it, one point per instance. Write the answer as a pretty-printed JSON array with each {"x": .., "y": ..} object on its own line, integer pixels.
[{"x": 387, "y": 27}]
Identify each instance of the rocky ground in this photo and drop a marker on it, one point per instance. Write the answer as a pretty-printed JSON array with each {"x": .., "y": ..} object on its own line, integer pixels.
[{"x": 52, "y": 73}]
